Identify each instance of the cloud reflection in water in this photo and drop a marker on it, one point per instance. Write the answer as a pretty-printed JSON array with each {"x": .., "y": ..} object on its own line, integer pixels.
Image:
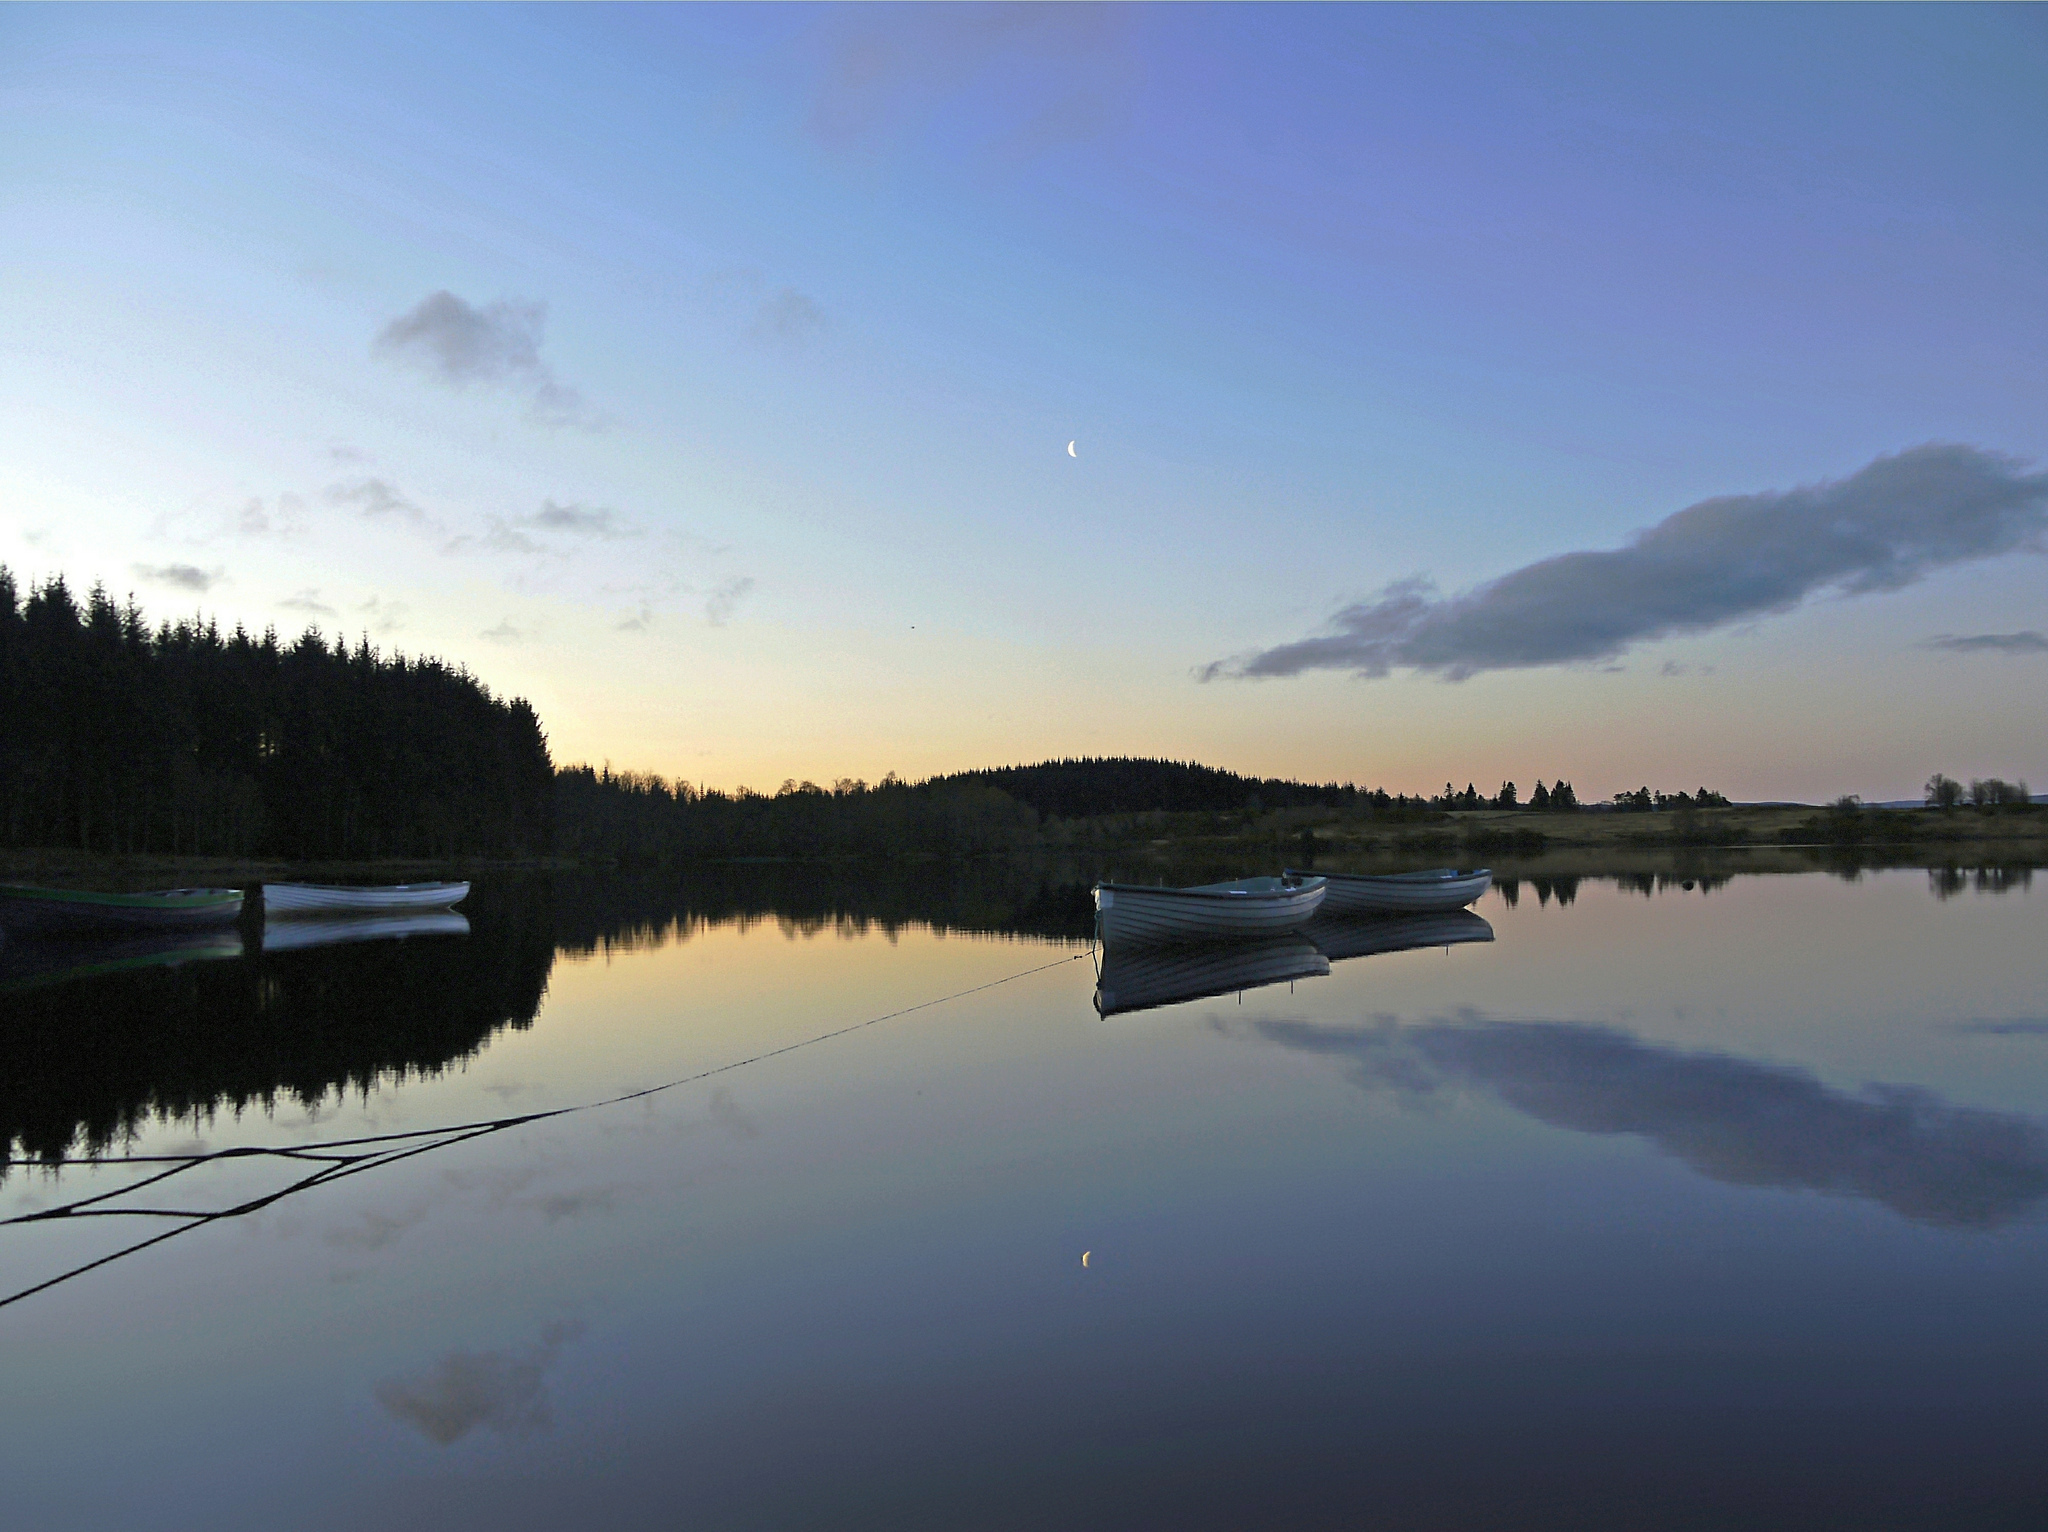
[
  {"x": 505, "y": 1390},
  {"x": 1732, "y": 1119}
]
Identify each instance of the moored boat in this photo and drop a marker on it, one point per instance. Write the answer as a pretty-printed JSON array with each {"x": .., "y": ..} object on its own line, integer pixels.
[
  {"x": 60, "y": 911},
  {"x": 347, "y": 899},
  {"x": 1137, "y": 980},
  {"x": 1403, "y": 893},
  {"x": 1139, "y": 914}
]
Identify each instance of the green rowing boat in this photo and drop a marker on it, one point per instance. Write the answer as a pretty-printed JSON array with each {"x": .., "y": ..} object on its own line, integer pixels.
[{"x": 62, "y": 910}]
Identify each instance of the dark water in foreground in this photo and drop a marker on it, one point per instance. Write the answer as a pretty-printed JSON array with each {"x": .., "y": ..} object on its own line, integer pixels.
[{"x": 1667, "y": 1206}]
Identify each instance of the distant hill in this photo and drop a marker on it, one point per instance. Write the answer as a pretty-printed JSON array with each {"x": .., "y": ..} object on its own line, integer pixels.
[{"x": 1080, "y": 789}]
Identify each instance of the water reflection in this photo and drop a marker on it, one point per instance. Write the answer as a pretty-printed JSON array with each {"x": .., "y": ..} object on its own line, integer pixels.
[
  {"x": 340, "y": 930},
  {"x": 1142, "y": 978},
  {"x": 503, "y": 1390},
  {"x": 94, "y": 1055},
  {"x": 1947, "y": 882},
  {"x": 1342, "y": 940},
  {"x": 1735, "y": 1120},
  {"x": 28, "y": 962}
]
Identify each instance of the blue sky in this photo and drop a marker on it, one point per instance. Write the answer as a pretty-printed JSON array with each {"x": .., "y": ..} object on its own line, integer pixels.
[{"x": 738, "y": 441}]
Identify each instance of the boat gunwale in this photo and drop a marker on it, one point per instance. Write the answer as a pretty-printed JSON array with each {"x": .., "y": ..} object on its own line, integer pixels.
[
  {"x": 1415, "y": 879},
  {"x": 1290, "y": 891}
]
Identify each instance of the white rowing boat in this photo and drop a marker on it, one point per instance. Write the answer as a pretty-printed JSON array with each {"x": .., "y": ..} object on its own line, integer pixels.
[
  {"x": 1403, "y": 893},
  {"x": 1137, "y": 914},
  {"x": 339, "y": 899},
  {"x": 1137, "y": 980}
]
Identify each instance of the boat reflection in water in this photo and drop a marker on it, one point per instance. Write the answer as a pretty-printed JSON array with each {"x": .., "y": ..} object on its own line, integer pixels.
[
  {"x": 1363, "y": 936},
  {"x": 30, "y": 961},
  {"x": 106, "y": 1037},
  {"x": 297, "y": 934},
  {"x": 1138, "y": 979}
]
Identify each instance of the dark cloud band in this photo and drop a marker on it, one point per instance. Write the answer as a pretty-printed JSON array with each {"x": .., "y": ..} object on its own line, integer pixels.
[{"x": 1718, "y": 562}]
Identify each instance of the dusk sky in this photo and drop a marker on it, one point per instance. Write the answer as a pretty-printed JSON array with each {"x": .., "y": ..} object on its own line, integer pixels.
[{"x": 1635, "y": 395}]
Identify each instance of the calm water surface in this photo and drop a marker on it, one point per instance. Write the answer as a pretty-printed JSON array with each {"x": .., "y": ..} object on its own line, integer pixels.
[{"x": 1701, "y": 1207}]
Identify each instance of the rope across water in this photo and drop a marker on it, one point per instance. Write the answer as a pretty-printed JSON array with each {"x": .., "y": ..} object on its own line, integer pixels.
[{"x": 337, "y": 1159}]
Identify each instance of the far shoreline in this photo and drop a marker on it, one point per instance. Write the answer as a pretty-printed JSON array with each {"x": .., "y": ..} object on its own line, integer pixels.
[{"x": 1775, "y": 838}]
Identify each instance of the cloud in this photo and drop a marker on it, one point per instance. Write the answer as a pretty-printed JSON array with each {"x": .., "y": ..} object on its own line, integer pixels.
[
  {"x": 719, "y": 606},
  {"x": 505, "y": 1390},
  {"x": 503, "y": 633},
  {"x": 307, "y": 600},
  {"x": 375, "y": 498},
  {"x": 497, "y": 345},
  {"x": 2002, "y": 1026},
  {"x": 1718, "y": 562},
  {"x": 592, "y": 521},
  {"x": 1731, "y": 1119},
  {"x": 1005, "y": 81},
  {"x": 2025, "y": 642},
  {"x": 787, "y": 315},
  {"x": 385, "y": 616},
  {"x": 182, "y": 576},
  {"x": 639, "y": 622}
]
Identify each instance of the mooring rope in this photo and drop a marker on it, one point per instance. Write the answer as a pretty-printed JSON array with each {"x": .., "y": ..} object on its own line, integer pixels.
[{"x": 375, "y": 1150}]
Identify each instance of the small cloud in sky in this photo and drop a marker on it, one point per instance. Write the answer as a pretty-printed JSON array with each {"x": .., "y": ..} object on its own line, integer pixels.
[
  {"x": 1722, "y": 561},
  {"x": 384, "y": 616},
  {"x": 583, "y": 521},
  {"x": 725, "y": 599},
  {"x": 788, "y": 316},
  {"x": 498, "y": 345},
  {"x": 342, "y": 452},
  {"x": 640, "y": 622},
  {"x": 376, "y": 499},
  {"x": 2024, "y": 642},
  {"x": 1033, "y": 77},
  {"x": 180, "y": 576},
  {"x": 307, "y": 600},
  {"x": 503, "y": 633}
]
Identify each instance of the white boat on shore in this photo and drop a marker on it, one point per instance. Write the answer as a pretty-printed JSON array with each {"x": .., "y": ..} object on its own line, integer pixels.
[
  {"x": 1139, "y": 914},
  {"x": 1402, "y": 893},
  {"x": 347, "y": 899}
]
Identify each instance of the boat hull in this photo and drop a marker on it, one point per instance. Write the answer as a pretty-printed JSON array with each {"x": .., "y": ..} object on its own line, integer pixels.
[
  {"x": 64, "y": 912},
  {"x": 1404, "y": 893},
  {"x": 339, "y": 899},
  {"x": 1134, "y": 915}
]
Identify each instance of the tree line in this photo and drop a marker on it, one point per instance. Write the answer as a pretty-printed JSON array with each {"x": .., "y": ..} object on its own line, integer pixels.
[
  {"x": 119, "y": 737},
  {"x": 1945, "y": 792}
]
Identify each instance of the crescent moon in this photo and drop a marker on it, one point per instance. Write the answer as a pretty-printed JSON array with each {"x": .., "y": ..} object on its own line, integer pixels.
[
  {"x": 1070, "y": 450},
  {"x": 1084, "y": 1256}
]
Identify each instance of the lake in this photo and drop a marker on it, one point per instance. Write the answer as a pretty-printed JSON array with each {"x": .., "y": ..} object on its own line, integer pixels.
[{"x": 1680, "y": 1201}]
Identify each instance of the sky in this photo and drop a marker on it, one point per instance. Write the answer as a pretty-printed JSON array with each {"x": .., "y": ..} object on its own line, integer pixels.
[{"x": 1633, "y": 395}]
